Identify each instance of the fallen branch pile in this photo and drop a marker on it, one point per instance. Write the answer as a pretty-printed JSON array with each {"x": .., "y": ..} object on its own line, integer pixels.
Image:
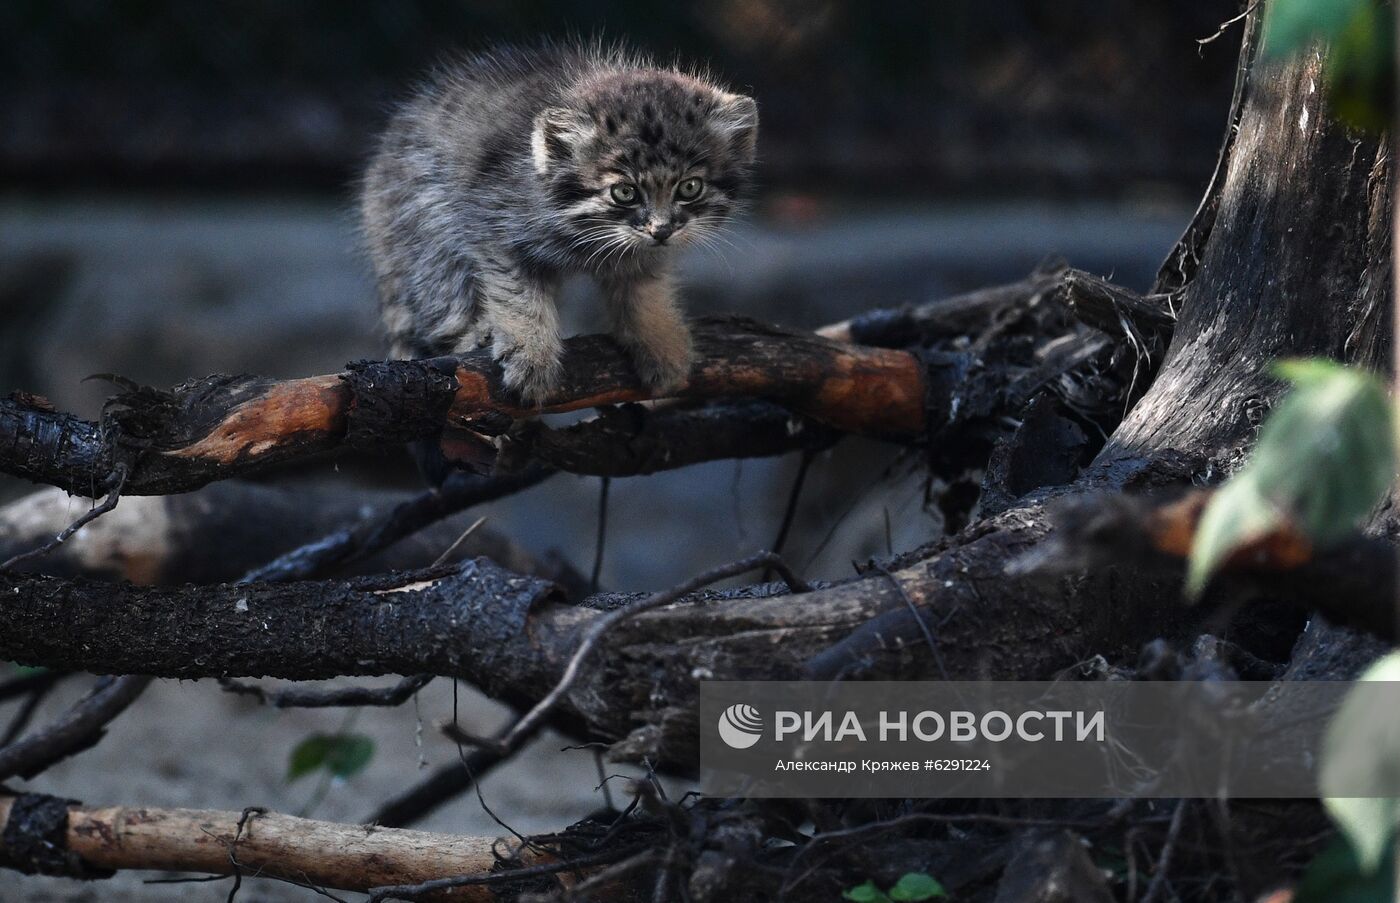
[{"x": 1080, "y": 412}]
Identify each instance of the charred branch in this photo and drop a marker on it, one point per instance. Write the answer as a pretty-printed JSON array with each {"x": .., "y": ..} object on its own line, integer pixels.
[
  {"x": 381, "y": 530},
  {"x": 632, "y": 440},
  {"x": 222, "y": 531},
  {"x": 946, "y": 318},
  {"x": 1146, "y": 322},
  {"x": 335, "y": 697},
  {"x": 508, "y": 634},
  {"x": 221, "y": 426},
  {"x": 76, "y": 730}
]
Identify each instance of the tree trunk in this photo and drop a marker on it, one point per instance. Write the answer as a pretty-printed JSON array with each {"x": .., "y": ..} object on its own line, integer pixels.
[{"x": 1297, "y": 263}]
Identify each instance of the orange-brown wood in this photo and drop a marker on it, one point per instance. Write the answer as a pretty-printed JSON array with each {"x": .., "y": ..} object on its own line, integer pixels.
[
  {"x": 1172, "y": 530},
  {"x": 869, "y": 391},
  {"x": 287, "y": 410}
]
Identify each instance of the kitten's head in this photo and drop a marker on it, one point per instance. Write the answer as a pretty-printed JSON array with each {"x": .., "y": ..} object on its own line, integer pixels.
[{"x": 640, "y": 159}]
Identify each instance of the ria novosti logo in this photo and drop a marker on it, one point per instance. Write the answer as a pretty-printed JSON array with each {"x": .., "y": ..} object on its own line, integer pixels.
[{"x": 740, "y": 726}]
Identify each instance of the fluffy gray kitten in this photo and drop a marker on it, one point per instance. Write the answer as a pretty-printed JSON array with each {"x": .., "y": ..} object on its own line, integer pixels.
[{"x": 510, "y": 169}]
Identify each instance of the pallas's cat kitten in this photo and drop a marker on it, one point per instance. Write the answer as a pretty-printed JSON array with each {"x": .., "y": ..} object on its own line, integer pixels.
[{"x": 511, "y": 169}]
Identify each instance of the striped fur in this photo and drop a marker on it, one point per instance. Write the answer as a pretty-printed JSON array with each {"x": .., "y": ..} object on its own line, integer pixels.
[{"x": 508, "y": 170}]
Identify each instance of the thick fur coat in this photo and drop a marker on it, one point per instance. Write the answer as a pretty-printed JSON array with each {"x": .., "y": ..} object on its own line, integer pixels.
[{"x": 507, "y": 170}]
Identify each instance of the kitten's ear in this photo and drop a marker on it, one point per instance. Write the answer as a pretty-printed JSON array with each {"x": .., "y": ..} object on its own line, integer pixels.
[
  {"x": 557, "y": 136},
  {"x": 738, "y": 119}
]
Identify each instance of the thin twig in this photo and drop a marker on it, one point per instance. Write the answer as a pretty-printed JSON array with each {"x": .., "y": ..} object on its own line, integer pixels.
[
  {"x": 415, "y": 891},
  {"x": 119, "y": 474},
  {"x": 334, "y": 697},
  {"x": 1164, "y": 860},
  {"x": 75, "y": 730},
  {"x": 851, "y": 507},
  {"x": 380, "y": 530},
  {"x": 31, "y": 704},
  {"x": 602, "y": 534},
  {"x": 602, "y": 778},
  {"x": 525, "y": 842},
  {"x": 527, "y": 725},
  {"x": 442, "y": 786},
  {"x": 790, "y": 512},
  {"x": 1225, "y": 26},
  {"x": 458, "y": 542},
  {"x": 248, "y": 813},
  {"x": 610, "y": 874},
  {"x": 918, "y": 618}
]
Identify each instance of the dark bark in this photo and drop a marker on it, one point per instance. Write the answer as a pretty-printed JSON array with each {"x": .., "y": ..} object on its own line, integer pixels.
[
  {"x": 632, "y": 440},
  {"x": 946, "y": 318},
  {"x": 221, "y": 426},
  {"x": 429, "y": 518},
  {"x": 78, "y": 729},
  {"x": 451, "y": 620}
]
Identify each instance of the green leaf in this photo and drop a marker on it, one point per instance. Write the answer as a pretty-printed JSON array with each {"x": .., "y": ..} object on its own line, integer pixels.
[
  {"x": 343, "y": 755},
  {"x": 865, "y": 893},
  {"x": 1236, "y": 515},
  {"x": 307, "y": 756},
  {"x": 1335, "y": 876},
  {"x": 1290, "y": 25},
  {"x": 1328, "y": 453},
  {"x": 1361, "y": 752},
  {"x": 1359, "y": 61},
  {"x": 1359, "y": 70},
  {"x": 349, "y": 754},
  {"x": 1324, "y": 458},
  {"x": 917, "y": 886}
]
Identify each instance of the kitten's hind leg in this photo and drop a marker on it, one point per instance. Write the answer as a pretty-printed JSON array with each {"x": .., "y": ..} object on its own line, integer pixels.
[
  {"x": 519, "y": 312},
  {"x": 650, "y": 325}
]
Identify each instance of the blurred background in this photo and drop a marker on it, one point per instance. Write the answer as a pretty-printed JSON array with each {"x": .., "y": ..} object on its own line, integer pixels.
[{"x": 176, "y": 197}]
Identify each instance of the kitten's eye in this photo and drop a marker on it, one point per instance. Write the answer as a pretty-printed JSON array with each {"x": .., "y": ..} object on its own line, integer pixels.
[
  {"x": 690, "y": 189},
  {"x": 624, "y": 194}
]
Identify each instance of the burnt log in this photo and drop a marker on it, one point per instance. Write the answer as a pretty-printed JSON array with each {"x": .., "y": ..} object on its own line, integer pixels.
[{"x": 223, "y": 426}]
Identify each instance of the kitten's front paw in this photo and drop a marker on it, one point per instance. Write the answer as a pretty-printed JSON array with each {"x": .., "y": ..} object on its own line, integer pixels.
[
  {"x": 664, "y": 367},
  {"x": 532, "y": 372}
]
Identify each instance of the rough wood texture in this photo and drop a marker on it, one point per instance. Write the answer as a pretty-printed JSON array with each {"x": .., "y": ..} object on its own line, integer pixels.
[
  {"x": 221, "y": 426},
  {"x": 346, "y": 857},
  {"x": 632, "y": 440},
  {"x": 1297, "y": 262}
]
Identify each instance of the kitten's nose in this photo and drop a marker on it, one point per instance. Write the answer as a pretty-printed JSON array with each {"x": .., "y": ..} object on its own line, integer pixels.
[{"x": 660, "y": 231}]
